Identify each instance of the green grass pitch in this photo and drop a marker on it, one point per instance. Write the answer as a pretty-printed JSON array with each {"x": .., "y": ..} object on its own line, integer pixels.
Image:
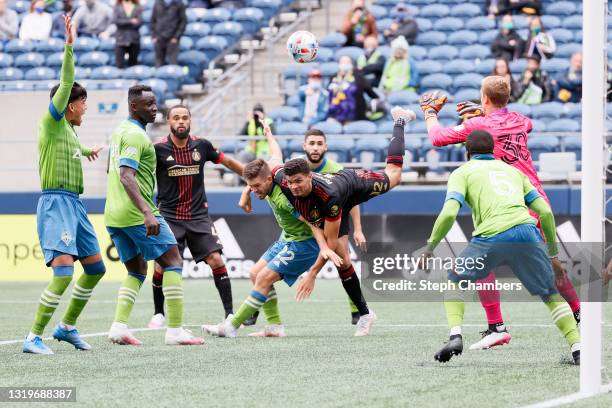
[{"x": 319, "y": 364}]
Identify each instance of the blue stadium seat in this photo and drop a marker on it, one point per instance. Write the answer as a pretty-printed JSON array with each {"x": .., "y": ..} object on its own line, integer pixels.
[
  {"x": 448, "y": 112},
  {"x": 427, "y": 67},
  {"x": 107, "y": 45},
  {"x": 578, "y": 36},
  {"x": 574, "y": 110},
  {"x": 538, "y": 125},
  {"x": 250, "y": 18},
  {"x": 443, "y": 52},
  {"x": 469, "y": 80},
  {"x": 211, "y": 46},
  {"x": 138, "y": 72},
  {"x": 353, "y": 52},
  {"x": 448, "y": 24},
  {"x": 29, "y": 60},
  {"x": 147, "y": 58},
  {"x": 547, "y": 111},
  {"x": 6, "y": 60},
  {"x": 291, "y": 128},
  {"x": 436, "y": 81},
  {"x": 523, "y": 109},
  {"x": 94, "y": 59},
  {"x": 11, "y": 74},
  {"x": 329, "y": 127},
  {"x": 566, "y": 50},
  {"x": 195, "y": 61},
  {"x": 15, "y": 47},
  {"x": 329, "y": 69},
  {"x": 521, "y": 22},
  {"x": 294, "y": 100},
  {"x": 232, "y": 146},
  {"x": 197, "y": 30},
  {"x": 425, "y": 25},
  {"x": 551, "y": 22},
  {"x": 475, "y": 51},
  {"x": 463, "y": 37},
  {"x": 106, "y": 72},
  {"x": 402, "y": 97},
  {"x": 229, "y": 30},
  {"x": 268, "y": 7},
  {"x": 563, "y": 125},
  {"x": 332, "y": 40},
  {"x": 341, "y": 148},
  {"x": 435, "y": 11},
  {"x": 413, "y": 146},
  {"x": 146, "y": 16},
  {"x": 359, "y": 127},
  {"x": 542, "y": 144},
  {"x": 561, "y": 8},
  {"x": 487, "y": 37},
  {"x": 159, "y": 86},
  {"x": 371, "y": 149},
  {"x": 458, "y": 66},
  {"x": 431, "y": 38},
  {"x": 377, "y": 11},
  {"x": 517, "y": 67},
  {"x": 481, "y": 23},
  {"x": 383, "y": 24},
  {"x": 485, "y": 67},
  {"x": 20, "y": 6},
  {"x": 467, "y": 94},
  {"x": 174, "y": 76},
  {"x": 412, "y": 9},
  {"x": 418, "y": 127},
  {"x": 50, "y": 46},
  {"x": 572, "y": 144},
  {"x": 143, "y": 31},
  {"x": 284, "y": 114},
  {"x": 555, "y": 65},
  {"x": 385, "y": 127},
  {"x": 195, "y": 14},
  {"x": 146, "y": 44},
  {"x": 17, "y": 86},
  {"x": 325, "y": 55},
  {"x": 80, "y": 73},
  {"x": 562, "y": 35},
  {"x": 85, "y": 44},
  {"x": 40, "y": 74},
  {"x": 216, "y": 15},
  {"x": 417, "y": 52},
  {"x": 466, "y": 10},
  {"x": 185, "y": 43}
]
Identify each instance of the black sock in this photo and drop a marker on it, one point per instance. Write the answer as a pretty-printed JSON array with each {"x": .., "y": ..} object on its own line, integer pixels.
[
  {"x": 497, "y": 327},
  {"x": 454, "y": 336},
  {"x": 395, "y": 154},
  {"x": 158, "y": 294},
  {"x": 350, "y": 282},
  {"x": 224, "y": 286}
]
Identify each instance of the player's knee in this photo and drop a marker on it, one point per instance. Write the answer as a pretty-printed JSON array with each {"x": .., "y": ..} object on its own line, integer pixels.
[
  {"x": 95, "y": 268},
  {"x": 266, "y": 278},
  {"x": 215, "y": 260},
  {"x": 394, "y": 173}
]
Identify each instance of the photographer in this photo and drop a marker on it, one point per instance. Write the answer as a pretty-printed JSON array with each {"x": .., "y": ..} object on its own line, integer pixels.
[{"x": 255, "y": 149}]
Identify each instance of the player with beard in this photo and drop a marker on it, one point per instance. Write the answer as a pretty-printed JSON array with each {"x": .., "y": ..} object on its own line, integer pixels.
[{"x": 182, "y": 202}]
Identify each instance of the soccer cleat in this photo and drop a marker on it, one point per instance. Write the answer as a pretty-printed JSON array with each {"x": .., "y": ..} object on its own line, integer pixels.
[
  {"x": 120, "y": 334},
  {"x": 354, "y": 318},
  {"x": 576, "y": 356},
  {"x": 70, "y": 336},
  {"x": 158, "y": 321},
  {"x": 36, "y": 346},
  {"x": 577, "y": 316},
  {"x": 453, "y": 347},
  {"x": 183, "y": 338},
  {"x": 223, "y": 329},
  {"x": 251, "y": 320},
  {"x": 491, "y": 339},
  {"x": 272, "y": 330},
  {"x": 364, "y": 324}
]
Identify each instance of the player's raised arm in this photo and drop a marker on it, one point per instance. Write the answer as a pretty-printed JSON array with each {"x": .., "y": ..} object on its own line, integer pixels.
[
  {"x": 59, "y": 102},
  {"x": 245, "y": 200},
  {"x": 431, "y": 104},
  {"x": 276, "y": 153}
]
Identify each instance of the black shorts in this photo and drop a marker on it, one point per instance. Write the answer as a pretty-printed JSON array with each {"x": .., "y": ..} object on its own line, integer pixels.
[{"x": 198, "y": 235}]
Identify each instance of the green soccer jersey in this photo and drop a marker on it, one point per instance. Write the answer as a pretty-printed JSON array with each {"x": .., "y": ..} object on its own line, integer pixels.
[
  {"x": 286, "y": 216},
  {"x": 328, "y": 166},
  {"x": 59, "y": 150},
  {"x": 497, "y": 193},
  {"x": 130, "y": 147}
]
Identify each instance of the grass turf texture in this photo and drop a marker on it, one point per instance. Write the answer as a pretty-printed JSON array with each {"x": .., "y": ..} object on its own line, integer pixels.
[{"x": 320, "y": 363}]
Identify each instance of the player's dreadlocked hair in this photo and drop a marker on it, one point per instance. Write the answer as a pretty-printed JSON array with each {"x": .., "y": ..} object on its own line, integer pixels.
[
  {"x": 77, "y": 92},
  {"x": 255, "y": 169},
  {"x": 296, "y": 166},
  {"x": 137, "y": 90},
  {"x": 314, "y": 132},
  {"x": 479, "y": 142}
]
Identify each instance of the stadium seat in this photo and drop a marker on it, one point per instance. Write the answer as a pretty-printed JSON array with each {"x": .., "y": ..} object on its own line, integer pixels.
[
  {"x": 434, "y": 11},
  {"x": 485, "y": 67},
  {"x": 29, "y": 60},
  {"x": 160, "y": 88},
  {"x": 107, "y": 72},
  {"x": 475, "y": 51},
  {"x": 542, "y": 144},
  {"x": 566, "y": 50},
  {"x": 427, "y": 67},
  {"x": 341, "y": 148},
  {"x": 436, "y": 81},
  {"x": 20, "y": 6},
  {"x": 487, "y": 37},
  {"x": 17, "y": 86},
  {"x": 268, "y": 7},
  {"x": 80, "y": 73},
  {"x": 194, "y": 14},
  {"x": 448, "y": 112},
  {"x": 359, "y": 127},
  {"x": 291, "y": 129},
  {"x": 353, "y": 52},
  {"x": 185, "y": 43},
  {"x": 40, "y": 74},
  {"x": 467, "y": 94},
  {"x": 11, "y": 74},
  {"x": 578, "y": 36},
  {"x": 107, "y": 45},
  {"x": 547, "y": 111},
  {"x": 458, "y": 66},
  {"x": 377, "y": 11},
  {"x": 443, "y": 52},
  {"x": 216, "y": 15},
  {"x": 328, "y": 69},
  {"x": 329, "y": 127},
  {"x": 332, "y": 40},
  {"x": 195, "y": 61},
  {"x": 555, "y": 65},
  {"x": 233, "y": 146},
  {"x": 572, "y": 144},
  {"x": 325, "y": 55},
  {"x": 85, "y": 44},
  {"x": 230, "y": 30},
  {"x": 413, "y": 146},
  {"x": 418, "y": 127},
  {"x": 402, "y": 98},
  {"x": 385, "y": 127},
  {"x": 463, "y": 37},
  {"x": 15, "y": 47},
  {"x": 469, "y": 80},
  {"x": 143, "y": 31},
  {"x": 94, "y": 59},
  {"x": 138, "y": 72},
  {"x": 563, "y": 125},
  {"x": 448, "y": 24},
  {"x": 147, "y": 58},
  {"x": 523, "y": 109},
  {"x": 425, "y": 25},
  {"x": 371, "y": 149},
  {"x": 574, "y": 110},
  {"x": 521, "y": 22},
  {"x": 466, "y": 10},
  {"x": 538, "y": 125},
  {"x": 383, "y": 24},
  {"x": 561, "y": 8},
  {"x": 50, "y": 46},
  {"x": 562, "y": 35},
  {"x": 551, "y": 22},
  {"x": 6, "y": 60},
  {"x": 197, "y": 30},
  {"x": 146, "y": 16},
  {"x": 517, "y": 67},
  {"x": 250, "y": 18},
  {"x": 481, "y": 23},
  {"x": 431, "y": 38},
  {"x": 294, "y": 100},
  {"x": 417, "y": 53},
  {"x": 284, "y": 114},
  {"x": 211, "y": 46},
  {"x": 174, "y": 76}
]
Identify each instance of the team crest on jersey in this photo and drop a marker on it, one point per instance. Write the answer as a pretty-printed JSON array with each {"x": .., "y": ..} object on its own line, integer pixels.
[
  {"x": 314, "y": 214},
  {"x": 66, "y": 238},
  {"x": 334, "y": 210},
  {"x": 196, "y": 156}
]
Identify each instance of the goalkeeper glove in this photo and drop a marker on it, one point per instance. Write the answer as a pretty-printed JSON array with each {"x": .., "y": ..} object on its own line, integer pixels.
[
  {"x": 468, "y": 110},
  {"x": 432, "y": 103}
]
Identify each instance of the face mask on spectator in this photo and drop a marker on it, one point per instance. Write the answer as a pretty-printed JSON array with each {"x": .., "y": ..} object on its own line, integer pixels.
[
  {"x": 315, "y": 85},
  {"x": 39, "y": 10},
  {"x": 508, "y": 26},
  {"x": 345, "y": 67},
  {"x": 401, "y": 16},
  {"x": 536, "y": 30}
]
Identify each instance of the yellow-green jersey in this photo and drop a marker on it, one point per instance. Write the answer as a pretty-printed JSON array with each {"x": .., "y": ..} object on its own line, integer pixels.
[
  {"x": 59, "y": 149},
  {"x": 287, "y": 217},
  {"x": 130, "y": 147},
  {"x": 328, "y": 166}
]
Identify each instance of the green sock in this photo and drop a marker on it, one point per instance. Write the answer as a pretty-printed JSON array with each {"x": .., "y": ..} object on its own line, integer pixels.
[
  {"x": 49, "y": 300},
  {"x": 81, "y": 292},
  {"x": 564, "y": 318},
  {"x": 248, "y": 307},
  {"x": 172, "y": 286},
  {"x": 455, "y": 307},
  {"x": 270, "y": 308},
  {"x": 353, "y": 307},
  {"x": 127, "y": 296}
]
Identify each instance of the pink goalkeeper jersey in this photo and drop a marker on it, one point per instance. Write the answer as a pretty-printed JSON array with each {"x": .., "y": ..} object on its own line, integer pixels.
[{"x": 509, "y": 131}]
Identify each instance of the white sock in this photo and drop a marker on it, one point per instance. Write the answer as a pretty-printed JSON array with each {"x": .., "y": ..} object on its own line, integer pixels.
[
  {"x": 174, "y": 331},
  {"x": 455, "y": 330},
  {"x": 31, "y": 336},
  {"x": 575, "y": 347},
  {"x": 67, "y": 326}
]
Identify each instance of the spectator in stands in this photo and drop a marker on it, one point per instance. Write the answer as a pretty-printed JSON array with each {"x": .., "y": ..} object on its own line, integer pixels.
[
  {"x": 127, "y": 17},
  {"x": 36, "y": 25},
  {"x": 372, "y": 63},
  {"x": 529, "y": 7},
  {"x": 400, "y": 71},
  {"x": 495, "y": 8},
  {"x": 58, "y": 23},
  {"x": 346, "y": 90},
  {"x": 568, "y": 86},
  {"x": 93, "y": 18},
  {"x": 403, "y": 25},
  {"x": 508, "y": 44},
  {"x": 358, "y": 24},
  {"x": 313, "y": 99},
  {"x": 534, "y": 85},
  {"x": 255, "y": 149},
  {"x": 539, "y": 41},
  {"x": 167, "y": 26},
  {"x": 228, "y": 4},
  {"x": 9, "y": 22},
  {"x": 502, "y": 68}
]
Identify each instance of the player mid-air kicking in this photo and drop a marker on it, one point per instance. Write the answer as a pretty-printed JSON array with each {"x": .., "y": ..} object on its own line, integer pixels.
[
  {"x": 509, "y": 130},
  {"x": 505, "y": 234}
]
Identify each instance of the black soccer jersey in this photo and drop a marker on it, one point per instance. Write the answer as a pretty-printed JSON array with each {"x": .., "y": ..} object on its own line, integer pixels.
[{"x": 180, "y": 177}]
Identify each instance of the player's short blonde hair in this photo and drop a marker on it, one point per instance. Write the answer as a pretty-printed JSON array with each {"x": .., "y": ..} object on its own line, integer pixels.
[{"x": 497, "y": 89}]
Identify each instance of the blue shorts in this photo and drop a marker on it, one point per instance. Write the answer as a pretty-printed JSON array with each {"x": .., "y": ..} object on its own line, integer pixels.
[
  {"x": 63, "y": 226},
  {"x": 133, "y": 241},
  {"x": 521, "y": 248},
  {"x": 290, "y": 259}
]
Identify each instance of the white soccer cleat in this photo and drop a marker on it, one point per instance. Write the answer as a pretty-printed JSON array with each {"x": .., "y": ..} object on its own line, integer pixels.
[
  {"x": 400, "y": 113},
  {"x": 223, "y": 329},
  {"x": 183, "y": 337},
  {"x": 272, "y": 330},
  {"x": 365, "y": 323},
  {"x": 120, "y": 334},
  {"x": 158, "y": 321},
  {"x": 491, "y": 339}
]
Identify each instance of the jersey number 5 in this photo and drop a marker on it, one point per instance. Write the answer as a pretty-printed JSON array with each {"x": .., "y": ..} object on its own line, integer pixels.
[{"x": 501, "y": 185}]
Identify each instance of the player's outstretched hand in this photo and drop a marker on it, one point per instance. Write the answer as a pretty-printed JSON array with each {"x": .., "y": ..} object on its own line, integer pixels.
[
  {"x": 432, "y": 102},
  {"x": 468, "y": 110},
  {"x": 400, "y": 113},
  {"x": 245, "y": 203},
  {"x": 95, "y": 153},
  {"x": 330, "y": 255},
  {"x": 360, "y": 240},
  {"x": 69, "y": 29},
  {"x": 560, "y": 274},
  {"x": 151, "y": 224},
  {"x": 305, "y": 287}
]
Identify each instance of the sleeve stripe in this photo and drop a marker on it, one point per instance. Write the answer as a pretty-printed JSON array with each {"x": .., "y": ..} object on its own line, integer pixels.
[
  {"x": 123, "y": 162},
  {"x": 531, "y": 196},
  {"x": 453, "y": 195},
  {"x": 220, "y": 157},
  {"x": 54, "y": 113}
]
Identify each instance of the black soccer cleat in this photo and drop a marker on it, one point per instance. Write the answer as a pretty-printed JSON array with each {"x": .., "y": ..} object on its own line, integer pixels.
[
  {"x": 576, "y": 356},
  {"x": 251, "y": 320},
  {"x": 577, "y": 316},
  {"x": 453, "y": 347},
  {"x": 354, "y": 318}
]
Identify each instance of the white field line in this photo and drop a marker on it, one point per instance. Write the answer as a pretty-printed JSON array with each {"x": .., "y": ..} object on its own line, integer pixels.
[
  {"x": 568, "y": 399},
  {"x": 100, "y": 334}
]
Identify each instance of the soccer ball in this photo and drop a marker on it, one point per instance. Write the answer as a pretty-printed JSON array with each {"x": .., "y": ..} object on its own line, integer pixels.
[{"x": 303, "y": 46}]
